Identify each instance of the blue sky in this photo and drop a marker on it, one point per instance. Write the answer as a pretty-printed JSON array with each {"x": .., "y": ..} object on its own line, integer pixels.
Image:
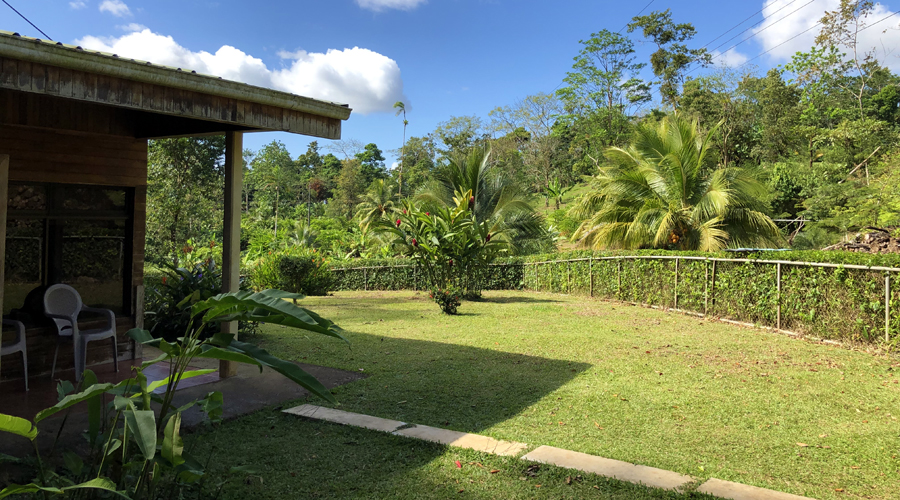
[{"x": 443, "y": 57}]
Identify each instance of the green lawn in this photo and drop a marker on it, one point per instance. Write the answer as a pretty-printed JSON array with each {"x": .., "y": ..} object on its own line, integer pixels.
[{"x": 623, "y": 382}]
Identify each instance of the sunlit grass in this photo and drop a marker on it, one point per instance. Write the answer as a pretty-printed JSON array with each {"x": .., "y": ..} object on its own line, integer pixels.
[{"x": 634, "y": 384}]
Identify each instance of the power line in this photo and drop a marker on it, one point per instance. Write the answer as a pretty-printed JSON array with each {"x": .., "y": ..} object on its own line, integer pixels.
[
  {"x": 755, "y": 34},
  {"x": 639, "y": 13},
  {"x": 26, "y": 19},
  {"x": 736, "y": 25},
  {"x": 878, "y": 21},
  {"x": 782, "y": 43}
]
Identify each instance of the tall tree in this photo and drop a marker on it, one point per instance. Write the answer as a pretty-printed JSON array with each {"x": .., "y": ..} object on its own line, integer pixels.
[
  {"x": 185, "y": 178},
  {"x": 401, "y": 108},
  {"x": 672, "y": 57},
  {"x": 371, "y": 163},
  {"x": 273, "y": 174},
  {"x": 658, "y": 193}
]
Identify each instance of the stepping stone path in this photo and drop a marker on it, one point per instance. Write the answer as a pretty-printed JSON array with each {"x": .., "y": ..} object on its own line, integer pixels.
[{"x": 623, "y": 471}]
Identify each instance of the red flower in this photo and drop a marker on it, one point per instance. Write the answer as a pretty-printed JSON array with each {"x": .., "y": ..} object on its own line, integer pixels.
[
  {"x": 426, "y": 213},
  {"x": 398, "y": 222},
  {"x": 471, "y": 200},
  {"x": 164, "y": 280},
  {"x": 487, "y": 238},
  {"x": 451, "y": 262},
  {"x": 404, "y": 212},
  {"x": 415, "y": 243}
]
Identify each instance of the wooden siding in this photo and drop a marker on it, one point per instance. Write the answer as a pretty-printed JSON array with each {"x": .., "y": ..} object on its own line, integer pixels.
[
  {"x": 43, "y": 155},
  {"x": 73, "y": 86}
]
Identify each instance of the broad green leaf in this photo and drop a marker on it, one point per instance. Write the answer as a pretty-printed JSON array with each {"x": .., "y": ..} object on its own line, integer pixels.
[
  {"x": 100, "y": 483},
  {"x": 73, "y": 399},
  {"x": 212, "y": 406},
  {"x": 18, "y": 426},
  {"x": 95, "y": 407},
  {"x": 142, "y": 424},
  {"x": 173, "y": 445},
  {"x": 286, "y": 368},
  {"x": 188, "y": 374},
  {"x": 142, "y": 336},
  {"x": 63, "y": 388},
  {"x": 161, "y": 357},
  {"x": 227, "y": 355},
  {"x": 21, "y": 489},
  {"x": 222, "y": 339},
  {"x": 73, "y": 462},
  {"x": 270, "y": 304}
]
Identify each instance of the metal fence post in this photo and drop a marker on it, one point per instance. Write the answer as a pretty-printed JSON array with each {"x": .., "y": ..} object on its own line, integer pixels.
[
  {"x": 591, "y": 272},
  {"x": 676, "y": 282},
  {"x": 778, "y": 295},
  {"x": 887, "y": 307},
  {"x": 365, "y": 278},
  {"x": 712, "y": 285},
  {"x": 706, "y": 287},
  {"x": 619, "y": 278},
  {"x": 568, "y": 277}
]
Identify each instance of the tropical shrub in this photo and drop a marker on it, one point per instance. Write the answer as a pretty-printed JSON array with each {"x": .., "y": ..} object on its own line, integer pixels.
[
  {"x": 297, "y": 271},
  {"x": 447, "y": 299},
  {"x": 138, "y": 451},
  {"x": 169, "y": 295}
]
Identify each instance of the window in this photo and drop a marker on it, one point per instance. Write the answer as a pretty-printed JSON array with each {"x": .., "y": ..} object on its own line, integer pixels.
[{"x": 77, "y": 235}]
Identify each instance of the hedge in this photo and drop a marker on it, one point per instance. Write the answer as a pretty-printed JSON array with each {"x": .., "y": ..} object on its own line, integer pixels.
[{"x": 826, "y": 302}]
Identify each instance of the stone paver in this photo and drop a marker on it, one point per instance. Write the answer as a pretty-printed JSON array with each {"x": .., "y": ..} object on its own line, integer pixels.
[
  {"x": 738, "y": 491},
  {"x": 345, "y": 417},
  {"x": 463, "y": 440},
  {"x": 623, "y": 471}
]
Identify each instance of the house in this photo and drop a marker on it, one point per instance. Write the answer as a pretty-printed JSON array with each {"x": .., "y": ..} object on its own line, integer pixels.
[{"x": 74, "y": 126}]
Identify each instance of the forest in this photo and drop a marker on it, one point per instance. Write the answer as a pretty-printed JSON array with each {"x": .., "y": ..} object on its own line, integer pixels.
[{"x": 802, "y": 156}]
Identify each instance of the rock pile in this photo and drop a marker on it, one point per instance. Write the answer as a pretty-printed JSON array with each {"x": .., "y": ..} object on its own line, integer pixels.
[{"x": 878, "y": 241}]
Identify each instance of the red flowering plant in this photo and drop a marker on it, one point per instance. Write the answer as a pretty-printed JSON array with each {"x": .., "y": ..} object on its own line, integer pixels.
[{"x": 449, "y": 245}]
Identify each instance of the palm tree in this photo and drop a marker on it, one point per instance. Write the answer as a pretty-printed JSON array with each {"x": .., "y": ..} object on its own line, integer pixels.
[
  {"x": 401, "y": 108},
  {"x": 659, "y": 192},
  {"x": 376, "y": 203},
  {"x": 556, "y": 191},
  {"x": 498, "y": 200}
]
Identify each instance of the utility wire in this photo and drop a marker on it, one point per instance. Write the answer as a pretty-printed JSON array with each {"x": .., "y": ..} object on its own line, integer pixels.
[
  {"x": 878, "y": 21},
  {"x": 755, "y": 34},
  {"x": 738, "y": 24},
  {"x": 26, "y": 19},
  {"x": 639, "y": 13}
]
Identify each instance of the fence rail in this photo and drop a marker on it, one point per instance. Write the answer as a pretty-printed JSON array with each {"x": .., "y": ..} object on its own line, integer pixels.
[{"x": 842, "y": 301}]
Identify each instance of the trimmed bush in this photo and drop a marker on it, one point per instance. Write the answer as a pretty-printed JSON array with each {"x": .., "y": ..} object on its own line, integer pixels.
[{"x": 303, "y": 272}]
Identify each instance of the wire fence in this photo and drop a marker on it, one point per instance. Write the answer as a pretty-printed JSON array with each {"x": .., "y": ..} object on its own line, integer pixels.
[{"x": 829, "y": 301}]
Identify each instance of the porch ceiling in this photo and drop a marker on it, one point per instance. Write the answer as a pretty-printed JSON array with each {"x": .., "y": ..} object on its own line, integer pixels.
[{"x": 170, "y": 101}]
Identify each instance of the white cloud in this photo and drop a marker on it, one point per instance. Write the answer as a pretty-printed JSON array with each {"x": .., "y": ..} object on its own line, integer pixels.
[
  {"x": 379, "y": 5},
  {"x": 730, "y": 58},
  {"x": 781, "y": 26},
  {"x": 368, "y": 81},
  {"x": 78, "y": 4},
  {"x": 131, "y": 27},
  {"x": 115, "y": 7}
]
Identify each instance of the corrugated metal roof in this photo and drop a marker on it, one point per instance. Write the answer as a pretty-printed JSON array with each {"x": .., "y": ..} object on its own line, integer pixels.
[{"x": 15, "y": 46}]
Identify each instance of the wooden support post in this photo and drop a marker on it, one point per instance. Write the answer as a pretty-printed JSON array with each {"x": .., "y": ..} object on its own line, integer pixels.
[
  {"x": 887, "y": 307},
  {"x": 778, "y": 295},
  {"x": 591, "y": 272},
  {"x": 231, "y": 244},
  {"x": 4, "y": 197}
]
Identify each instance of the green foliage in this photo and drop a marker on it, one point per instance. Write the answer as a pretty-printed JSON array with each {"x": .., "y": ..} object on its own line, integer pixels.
[
  {"x": 658, "y": 193},
  {"x": 296, "y": 271},
  {"x": 171, "y": 293},
  {"x": 158, "y": 465},
  {"x": 448, "y": 299}
]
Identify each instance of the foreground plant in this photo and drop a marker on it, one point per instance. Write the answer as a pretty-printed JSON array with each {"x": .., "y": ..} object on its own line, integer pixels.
[{"x": 137, "y": 448}]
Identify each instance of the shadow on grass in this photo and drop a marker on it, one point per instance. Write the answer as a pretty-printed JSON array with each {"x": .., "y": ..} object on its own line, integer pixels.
[
  {"x": 433, "y": 383},
  {"x": 517, "y": 300},
  {"x": 301, "y": 458}
]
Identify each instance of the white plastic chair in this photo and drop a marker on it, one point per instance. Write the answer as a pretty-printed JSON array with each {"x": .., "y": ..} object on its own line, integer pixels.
[
  {"x": 63, "y": 304},
  {"x": 17, "y": 345}
]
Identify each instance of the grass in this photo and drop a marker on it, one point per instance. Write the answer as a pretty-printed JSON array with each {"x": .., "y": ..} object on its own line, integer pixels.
[{"x": 665, "y": 390}]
